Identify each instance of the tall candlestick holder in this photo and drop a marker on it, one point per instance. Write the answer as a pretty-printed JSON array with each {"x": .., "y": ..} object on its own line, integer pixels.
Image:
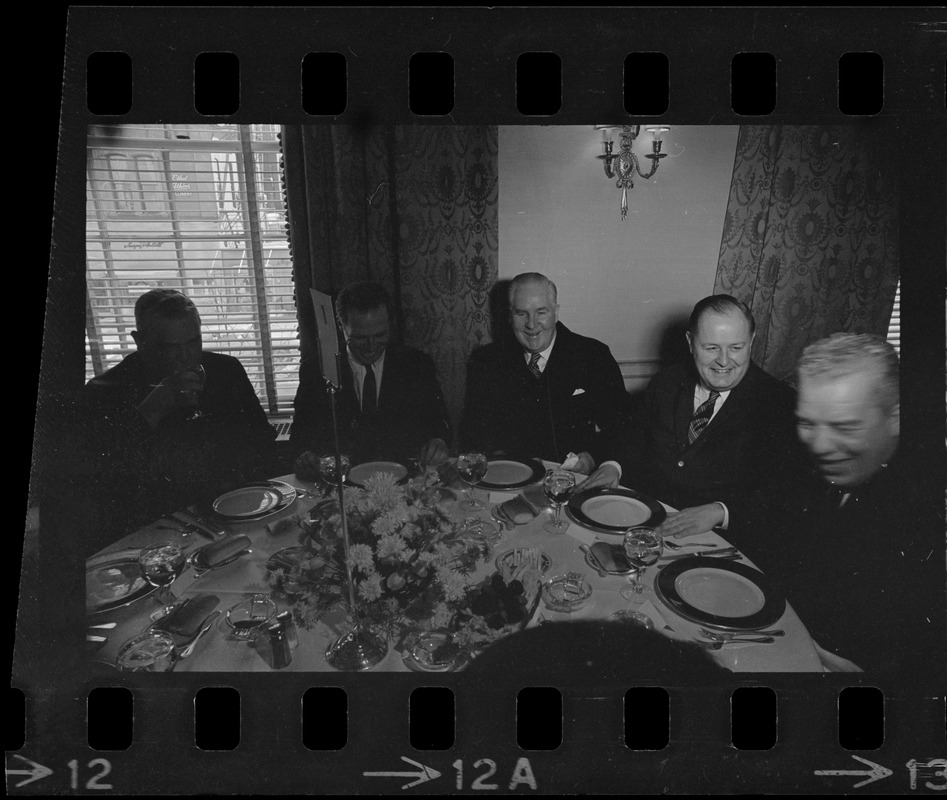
[{"x": 358, "y": 649}]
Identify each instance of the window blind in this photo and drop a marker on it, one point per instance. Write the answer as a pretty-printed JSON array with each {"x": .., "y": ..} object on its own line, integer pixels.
[
  {"x": 198, "y": 208},
  {"x": 894, "y": 325}
]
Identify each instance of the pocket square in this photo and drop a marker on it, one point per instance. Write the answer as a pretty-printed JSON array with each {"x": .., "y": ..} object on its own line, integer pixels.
[{"x": 578, "y": 391}]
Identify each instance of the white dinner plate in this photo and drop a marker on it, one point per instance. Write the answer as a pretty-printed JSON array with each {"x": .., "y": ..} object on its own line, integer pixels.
[
  {"x": 362, "y": 472},
  {"x": 614, "y": 510},
  {"x": 247, "y": 501},
  {"x": 511, "y": 473},
  {"x": 719, "y": 594}
]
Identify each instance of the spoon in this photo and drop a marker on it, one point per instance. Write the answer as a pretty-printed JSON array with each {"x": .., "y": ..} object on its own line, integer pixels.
[
  {"x": 675, "y": 546},
  {"x": 716, "y": 645},
  {"x": 724, "y": 636},
  {"x": 189, "y": 647}
]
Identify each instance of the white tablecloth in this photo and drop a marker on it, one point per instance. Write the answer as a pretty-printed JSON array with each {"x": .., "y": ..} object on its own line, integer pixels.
[{"x": 217, "y": 651}]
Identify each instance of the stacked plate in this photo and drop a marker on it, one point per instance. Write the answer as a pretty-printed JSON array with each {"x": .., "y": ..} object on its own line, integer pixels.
[
  {"x": 254, "y": 501},
  {"x": 504, "y": 474}
]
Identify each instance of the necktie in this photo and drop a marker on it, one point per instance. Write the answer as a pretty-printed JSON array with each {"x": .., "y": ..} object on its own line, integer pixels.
[
  {"x": 701, "y": 417},
  {"x": 369, "y": 392},
  {"x": 534, "y": 365}
]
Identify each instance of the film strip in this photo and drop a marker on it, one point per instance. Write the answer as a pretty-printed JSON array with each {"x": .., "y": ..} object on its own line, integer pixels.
[{"x": 348, "y": 733}]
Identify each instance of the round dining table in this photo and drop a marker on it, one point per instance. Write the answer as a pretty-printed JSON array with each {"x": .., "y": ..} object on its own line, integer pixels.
[{"x": 219, "y": 651}]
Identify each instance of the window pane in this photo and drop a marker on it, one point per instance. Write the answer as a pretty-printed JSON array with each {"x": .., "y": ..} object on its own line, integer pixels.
[{"x": 167, "y": 207}]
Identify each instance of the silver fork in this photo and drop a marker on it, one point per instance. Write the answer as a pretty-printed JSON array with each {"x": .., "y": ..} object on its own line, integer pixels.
[
  {"x": 189, "y": 647},
  {"x": 726, "y": 635}
]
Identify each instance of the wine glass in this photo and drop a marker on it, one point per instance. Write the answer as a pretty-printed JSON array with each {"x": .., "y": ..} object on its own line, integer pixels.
[
  {"x": 471, "y": 467},
  {"x": 558, "y": 486},
  {"x": 195, "y": 412},
  {"x": 329, "y": 469},
  {"x": 160, "y": 564},
  {"x": 643, "y": 547}
]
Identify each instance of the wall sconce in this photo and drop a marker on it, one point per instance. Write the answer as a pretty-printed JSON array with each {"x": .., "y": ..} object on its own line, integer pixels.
[{"x": 628, "y": 163}]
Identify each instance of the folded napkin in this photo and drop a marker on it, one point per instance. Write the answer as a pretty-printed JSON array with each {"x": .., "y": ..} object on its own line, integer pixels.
[
  {"x": 186, "y": 618},
  {"x": 218, "y": 552},
  {"x": 518, "y": 510},
  {"x": 611, "y": 557}
]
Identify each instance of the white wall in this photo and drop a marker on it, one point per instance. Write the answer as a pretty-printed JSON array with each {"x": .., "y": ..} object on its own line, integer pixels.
[{"x": 619, "y": 281}]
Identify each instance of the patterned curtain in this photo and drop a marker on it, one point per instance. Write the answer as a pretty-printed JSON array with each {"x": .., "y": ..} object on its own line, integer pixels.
[
  {"x": 413, "y": 207},
  {"x": 810, "y": 239}
]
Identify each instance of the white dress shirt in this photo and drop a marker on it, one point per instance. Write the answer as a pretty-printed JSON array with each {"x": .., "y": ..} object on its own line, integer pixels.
[{"x": 358, "y": 376}]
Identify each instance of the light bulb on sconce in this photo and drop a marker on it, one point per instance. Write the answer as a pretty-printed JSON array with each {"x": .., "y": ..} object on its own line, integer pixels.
[{"x": 624, "y": 164}]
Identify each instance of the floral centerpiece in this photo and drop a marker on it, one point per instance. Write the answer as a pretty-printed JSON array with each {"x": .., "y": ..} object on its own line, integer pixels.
[{"x": 411, "y": 563}]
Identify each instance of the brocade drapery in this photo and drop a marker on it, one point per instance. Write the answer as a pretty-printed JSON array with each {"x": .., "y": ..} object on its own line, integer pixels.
[{"x": 810, "y": 238}]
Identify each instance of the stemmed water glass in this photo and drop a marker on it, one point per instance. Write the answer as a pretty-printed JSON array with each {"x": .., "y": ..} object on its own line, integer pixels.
[
  {"x": 558, "y": 486},
  {"x": 643, "y": 547},
  {"x": 160, "y": 564},
  {"x": 195, "y": 412},
  {"x": 471, "y": 467},
  {"x": 329, "y": 470}
]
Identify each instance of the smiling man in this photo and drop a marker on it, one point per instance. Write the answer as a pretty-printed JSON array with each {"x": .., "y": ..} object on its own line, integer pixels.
[
  {"x": 857, "y": 544},
  {"x": 547, "y": 393},
  {"x": 708, "y": 433},
  {"x": 389, "y": 404}
]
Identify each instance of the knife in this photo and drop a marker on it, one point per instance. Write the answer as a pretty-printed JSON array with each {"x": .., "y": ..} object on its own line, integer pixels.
[
  {"x": 212, "y": 529},
  {"x": 727, "y": 552}
]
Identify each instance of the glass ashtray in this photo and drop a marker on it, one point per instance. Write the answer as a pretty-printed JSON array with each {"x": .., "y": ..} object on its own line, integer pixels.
[
  {"x": 248, "y": 615},
  {"x": 150, "y": 652},
  {"x": 629, "y": 617},
  {"x": 566, "y": 593}
]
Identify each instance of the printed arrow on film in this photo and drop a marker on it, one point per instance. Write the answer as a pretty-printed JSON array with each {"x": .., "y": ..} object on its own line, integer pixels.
[
  {"x": 876, "y": 773},
  {"x": 36, "y": 771},
  {"x": 423, "y": 776}
]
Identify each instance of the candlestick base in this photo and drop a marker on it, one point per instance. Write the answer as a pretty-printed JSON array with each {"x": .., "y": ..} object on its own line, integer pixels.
[{"x": 356, "y": 651}]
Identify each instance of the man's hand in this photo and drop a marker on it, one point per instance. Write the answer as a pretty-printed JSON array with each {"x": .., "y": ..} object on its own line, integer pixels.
[
  {"x": 177, "y": 391},
  {"x": 306, "y": 467},
  {"x": 606, "y": 475},
  {"x": 691, "y": 521},
  {"x": 434, "y": 453}
]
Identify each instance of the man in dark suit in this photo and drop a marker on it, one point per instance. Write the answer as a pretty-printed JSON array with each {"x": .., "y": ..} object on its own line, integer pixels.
[
  {"x": 855, "y": 538},
  {"x": 548, "y": 394},
  {"x": 389, "y": 404},
  {"x": 136, "y": 449},
  {"x": 707, "y": 433}
]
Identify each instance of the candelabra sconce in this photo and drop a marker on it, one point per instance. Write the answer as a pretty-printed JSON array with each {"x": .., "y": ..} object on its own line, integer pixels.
[{"x": 627, "y": 162}]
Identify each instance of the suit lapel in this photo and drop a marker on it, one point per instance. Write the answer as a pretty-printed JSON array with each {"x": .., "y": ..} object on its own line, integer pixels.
[{"x": 683, "y": 411}]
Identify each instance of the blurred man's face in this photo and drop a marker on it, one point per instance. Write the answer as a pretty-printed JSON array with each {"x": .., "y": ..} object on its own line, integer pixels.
[
  {"x": 534, "y": 312},
  {"x": 848, "y": 434},
  {"x": 721, "y": 349},
  {"x": 170, "y": 345},
  {"x": 367, "y": 334}
]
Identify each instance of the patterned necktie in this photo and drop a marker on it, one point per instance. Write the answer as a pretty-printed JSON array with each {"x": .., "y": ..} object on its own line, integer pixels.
[
  {"x": 534, "y": 365},
  {"x": 701, "y": 417},
  {"x": 369, "y": 392}
]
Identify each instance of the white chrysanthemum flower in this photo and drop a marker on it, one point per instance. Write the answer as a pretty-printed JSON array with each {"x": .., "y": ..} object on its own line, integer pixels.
[
  {"x": 391, "y": 547},
  {"x": 383, "y": 490},
  {"x": 360, "y": 557},
  {"x": 370, "y": 588},
  {"x": 441, "y": 617}
]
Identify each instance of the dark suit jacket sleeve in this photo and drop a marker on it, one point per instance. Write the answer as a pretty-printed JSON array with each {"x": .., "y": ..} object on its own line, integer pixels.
[
  {"x": 486, "y": 425},
  {"x": 312, "y": 423},
  {"x": 426, "y": 416},
  {"x": 612, "y": 401}
]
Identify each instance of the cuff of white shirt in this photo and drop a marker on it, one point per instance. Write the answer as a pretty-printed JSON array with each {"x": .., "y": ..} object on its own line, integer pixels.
[
  {"x": 726, "y": 516},
  {"x": 614, "y": 464}
]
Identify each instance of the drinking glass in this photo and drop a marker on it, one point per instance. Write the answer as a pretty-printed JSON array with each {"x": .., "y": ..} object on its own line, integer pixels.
[
  {"x": 643, "y": 547},
  {"x": 471, "y": 467},
  {"x": 558, "y": 486},
  {"x": 195, "y": 412},
  {"x": 160, "y": 564},
  {"x": 328, "y": 470}
]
